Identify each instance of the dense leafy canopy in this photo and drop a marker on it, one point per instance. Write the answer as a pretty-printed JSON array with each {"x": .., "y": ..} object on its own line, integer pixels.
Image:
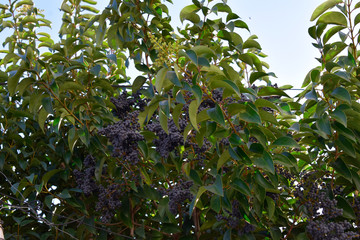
[{"x": 201, "y": 145}]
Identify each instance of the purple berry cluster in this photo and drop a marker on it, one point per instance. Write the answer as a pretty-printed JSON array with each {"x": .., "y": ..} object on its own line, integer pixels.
[
  {"x": 325, "y": 230},
  {"x": 179, "y": 195},
  {"x": 166, "y": 143},
  {"x": 235, "y": 220},
  {"x": 85, "y": 179},
  {"x": 109, "y": 201},
  {"x": 125, "y": 104},
  {"x": 108, "y": 198},
  {"x": 124, "y": 135},
  {"x": 324, "y": 216}
]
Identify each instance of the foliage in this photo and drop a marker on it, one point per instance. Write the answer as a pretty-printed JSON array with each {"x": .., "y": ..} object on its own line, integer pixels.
[{"x": 203, "y": 145}]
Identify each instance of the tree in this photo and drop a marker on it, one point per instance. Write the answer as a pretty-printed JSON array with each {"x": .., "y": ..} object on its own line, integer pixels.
[{"x": 201, "y": 145}]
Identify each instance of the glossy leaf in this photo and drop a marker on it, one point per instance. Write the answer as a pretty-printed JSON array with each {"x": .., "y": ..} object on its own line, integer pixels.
[
  {"x": 342, "y": 94},
  {"x": 217, "y": 115},
  {"x": 324, "y": 7},
  {"x": 343, "y": 204},
  {"x": 333, "y": 18},
  {"x": 344, "y": 144},
  {"x": 285, "y": 141},
  {"x": 217, "y": 187},
  {"x": 160, "y": 79},
  {"x": 193, "y": 107},
  {"x": 240, "y": 186},
  {"x": 188, "y": 13}
]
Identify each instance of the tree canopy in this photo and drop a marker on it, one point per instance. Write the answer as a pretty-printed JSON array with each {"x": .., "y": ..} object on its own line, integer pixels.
[{"x": 201, "y": 145}]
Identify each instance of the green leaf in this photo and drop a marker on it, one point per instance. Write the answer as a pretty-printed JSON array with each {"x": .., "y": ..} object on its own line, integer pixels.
[
  {"x": 348, "y": 211},
  {"x": 241, "y": 186},
  {"x": 339, "y": 116},
  {"x": 140, "y": 231},
  {"x": 323, "y": 124},
  {"x": 256, "y": 75},
  {"x": 24, "y": 2},
  {"x": 262, "y": 181},
  {"x": 64, "y": 194},
  {"x": 84, "y": 135},
  {"x": 43, "y": 114},
  {"x": 221, "y": 7},
  {"x": 160, "y": 78},
  {"x": 193, "y": 107},
  {"x": 14, "y": 80},
  {"x": 323, "y": 7},
  {"x": 138, "y": 83},
  {"x": 331, "y": 32},
  {"x": 188, "y": 13},
  {"x": 89, "y": 8},
  {"x": 266, "y": 162},
  {"x": 341, "y": 168},
  {"x": 241, "y": 24},
  {"x": 286, "y": 141},
  {"x": 271, "y": 91},
  {"x": 195, "y": 177},
  {"x": 216, "y": 115},
  {"x": 47, "y": 104},
  {"x": 250, "y": 115},
  {"x": 66, "y": 8},
  {"x": 2, "y": 6},
  {"x": 90, "y": 2},
  {"x": 271, "y": 207},
  {"x": 215, "y": 203},
  {"x": 203, "y": 62},
  {"x": 170, "y": 228},
  {"x": 197, "y": 93},
  {"x": 344, "y": 144},
  {"x": 171, "y": 75},
  {"x": 333, "y": 18},
  {"x": 238, "y": 154},
  {"x": 227, "y": 235},
  {"x": 72, "y": 138},
  {"x": 224, "y": 157},
  {"x": 203, "y": 51},
  {"x": 46, "y": 177},
  {"x": 357, "y": 19},
  {"x": 217, "y": 187},
  {"x": 192, "y": 56},
  {"x": 251, "y": 44},
  {"x": 233, "y": 86},
  {"x": 342, "y": 94},
  {"x": 163, "y": 121},
  {"x": 195, "y": 200},
  {"x": 356, "y": 179}
]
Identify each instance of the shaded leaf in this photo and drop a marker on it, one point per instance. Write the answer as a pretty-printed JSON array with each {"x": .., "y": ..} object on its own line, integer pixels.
[
  {"x": 286, "y": 141},
  {"x": 138, "y": 83},
  {"x": 216, "y": 115},
  {"x": 342, "y": 94},
  {"x": 344, "y": 144},
  {"x": 160, "y": 79},
  {"x": 348, "y": 211},
  {"x": 217, "y": 187},
  {"x": 341, "y": 168},
  {"x": 240, "y": 186}
]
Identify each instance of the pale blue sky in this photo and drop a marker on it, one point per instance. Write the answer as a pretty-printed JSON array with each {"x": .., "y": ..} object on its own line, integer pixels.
[{"x": 281, "y": 26}]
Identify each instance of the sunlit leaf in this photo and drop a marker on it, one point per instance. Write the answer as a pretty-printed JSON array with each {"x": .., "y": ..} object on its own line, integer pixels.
[
  {"x": 333, "y": 18},
  {"x": 323, "y": 7}
]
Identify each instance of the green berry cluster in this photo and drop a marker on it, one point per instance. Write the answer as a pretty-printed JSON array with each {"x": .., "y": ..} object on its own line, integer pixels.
[{"x": 166, "y": 51}]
